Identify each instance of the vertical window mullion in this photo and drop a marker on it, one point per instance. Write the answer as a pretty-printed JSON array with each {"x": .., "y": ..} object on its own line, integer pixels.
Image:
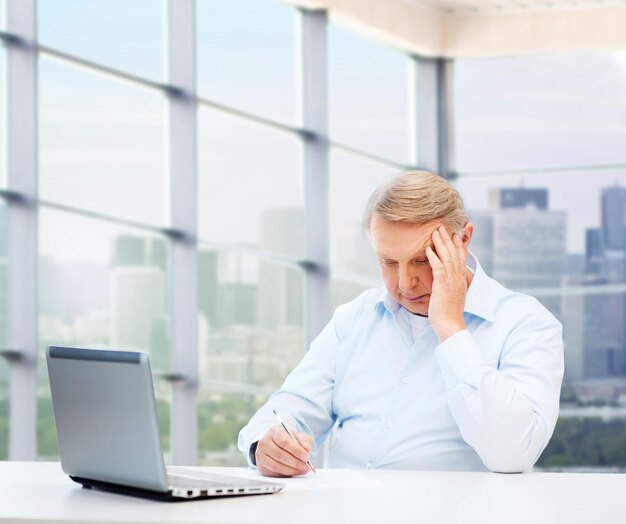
[
  {"x": 313, "y": 106},
  {"x": 22, "y": 230},
  {"x": 431, "y": 123},
  {"x": 183, "y": 205}
]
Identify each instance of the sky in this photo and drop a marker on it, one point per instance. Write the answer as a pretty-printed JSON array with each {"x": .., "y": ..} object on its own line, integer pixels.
[{"x": 103, "y": 143}]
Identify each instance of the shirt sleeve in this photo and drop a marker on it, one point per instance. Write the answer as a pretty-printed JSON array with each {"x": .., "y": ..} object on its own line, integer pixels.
[
  {"x": 305, "y": 399},
  {"x": 507, "y": 414}
]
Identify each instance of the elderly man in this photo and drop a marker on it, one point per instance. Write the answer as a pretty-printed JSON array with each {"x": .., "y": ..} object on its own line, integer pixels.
[{"x": 443, "y": 369}]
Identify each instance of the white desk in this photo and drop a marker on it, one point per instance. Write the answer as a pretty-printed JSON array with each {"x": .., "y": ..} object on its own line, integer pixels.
[{"x": 39, "y": 492}]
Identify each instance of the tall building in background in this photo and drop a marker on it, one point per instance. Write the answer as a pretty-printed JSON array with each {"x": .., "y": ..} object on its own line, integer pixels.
[
  {"x": 522, "y": 244},
  {"x": 573, "y": 309},
  {"x": 595, "y": 258},
  {"x": 134, "y": 251},
  {"x": 138, "y": 290},
  {"x": 613, "y": 213},
  {"x": 605, "y": 313},
  {"x": 519, "y": 198},
  {"x": 227, "y": 291},
  {"x": 281, "y": 288},
  {"x": 529, "y": 249},
  {"x": 137, "y": 300}
]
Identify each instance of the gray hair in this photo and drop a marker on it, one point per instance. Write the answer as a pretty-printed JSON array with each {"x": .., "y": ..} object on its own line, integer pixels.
[{"x": 417, "y": 197}]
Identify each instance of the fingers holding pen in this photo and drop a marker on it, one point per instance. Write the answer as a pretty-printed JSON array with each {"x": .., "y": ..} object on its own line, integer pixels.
[
  {"x": 277, "y": 454},
  {"x": 306, "y": 441},
  {"x": 271, "y": 467},
  {"x": 293, "y": 452}
]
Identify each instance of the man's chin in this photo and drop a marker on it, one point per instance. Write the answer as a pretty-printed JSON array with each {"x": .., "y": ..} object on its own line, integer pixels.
[{"x": 418, "y": 308}]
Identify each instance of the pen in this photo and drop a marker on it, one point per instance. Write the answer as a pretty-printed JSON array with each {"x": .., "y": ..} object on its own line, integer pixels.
[{"x": 280, "y": 421}]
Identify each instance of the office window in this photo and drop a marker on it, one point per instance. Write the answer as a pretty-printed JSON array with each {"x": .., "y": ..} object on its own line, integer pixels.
[
  {"x": 557, "y": 233},
  {"x": 4, "y": 410},
  {"x": 369, "y": 95},
  {"x": 3, "y": 23},
  {"x": 4, "y": 368},
  {"x": 3, "y": 117},
  {"x": 102, "y": 143},
  {"x": 250, "y": 334},
  {"x": 221, "y": 415},
  {"x": 250, "y": 185},
  {"x": 246, "y": 56},
  {"x": 352, "y": 181},
  {"x": 102, "y": 286},
  {"x": 540, "y": 111},
  {"x": 120, "y": 34}
]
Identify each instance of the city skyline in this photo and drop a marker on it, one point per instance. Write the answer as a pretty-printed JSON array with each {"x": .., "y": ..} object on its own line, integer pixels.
[{"x": 521, "y": 245}]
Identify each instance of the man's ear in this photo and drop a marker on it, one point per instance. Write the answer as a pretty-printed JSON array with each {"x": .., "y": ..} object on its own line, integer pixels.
[{"x": 468, "y": 231}]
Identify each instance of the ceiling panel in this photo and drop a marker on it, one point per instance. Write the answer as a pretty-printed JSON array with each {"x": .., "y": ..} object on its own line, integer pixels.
[{"x": 491, "y": 6}]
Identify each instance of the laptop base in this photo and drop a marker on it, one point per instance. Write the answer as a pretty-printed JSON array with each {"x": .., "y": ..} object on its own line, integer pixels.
[{"x": 146, "y": 493}]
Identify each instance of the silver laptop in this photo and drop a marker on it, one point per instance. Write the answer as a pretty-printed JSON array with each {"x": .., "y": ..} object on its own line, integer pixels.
[{"x": 108, "y": 434}]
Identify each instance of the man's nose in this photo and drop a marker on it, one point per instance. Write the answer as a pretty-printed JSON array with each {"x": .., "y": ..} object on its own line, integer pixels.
[{"x": 407, "y": 279}]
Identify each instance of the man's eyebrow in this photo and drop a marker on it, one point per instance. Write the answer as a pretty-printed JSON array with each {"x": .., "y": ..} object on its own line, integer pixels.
[
  {"x": 421, "y": 251},
  {"x": 414, "y": 255}
]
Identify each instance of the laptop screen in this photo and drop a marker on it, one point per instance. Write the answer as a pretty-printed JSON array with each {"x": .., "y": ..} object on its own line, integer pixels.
[{"x": 105, "y": 416}]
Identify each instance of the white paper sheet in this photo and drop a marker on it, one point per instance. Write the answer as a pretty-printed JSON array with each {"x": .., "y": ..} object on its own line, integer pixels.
[{"x": 323, "y": 479}]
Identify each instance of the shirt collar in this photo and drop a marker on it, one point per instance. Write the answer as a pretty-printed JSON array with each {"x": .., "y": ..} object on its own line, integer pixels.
[{"x": 479, "y": 300}]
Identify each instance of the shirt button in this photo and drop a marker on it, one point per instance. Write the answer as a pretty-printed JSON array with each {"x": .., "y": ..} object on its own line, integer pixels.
[
  {"x": 405, "y": 380},
  {"x": 389, "y": 425}
]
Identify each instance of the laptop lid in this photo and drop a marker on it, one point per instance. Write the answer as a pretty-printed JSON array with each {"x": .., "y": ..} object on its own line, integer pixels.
[{"x": 105, "y": 415}]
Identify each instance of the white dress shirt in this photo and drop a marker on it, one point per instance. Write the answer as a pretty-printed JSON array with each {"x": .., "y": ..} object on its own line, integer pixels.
[{"x": 486, "y": 398}]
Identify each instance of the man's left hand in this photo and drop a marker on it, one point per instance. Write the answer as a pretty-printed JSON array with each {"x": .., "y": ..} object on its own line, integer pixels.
[{"x": 447, "y": 299}]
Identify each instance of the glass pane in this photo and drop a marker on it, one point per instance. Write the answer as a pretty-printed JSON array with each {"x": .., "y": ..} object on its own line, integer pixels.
[
  {"x": 102, "y": 144},
  {"x": 221, "y": 415},
  {"x": 4, "y": 410},
  {"x": 121, "y": 34},
  {"x": 369, "y": 95},
  {"x": 592, "y": 440},
  {"x": 250, "y": 185},
  {"x": 3, "y": 6},
  {"x": 345, "y": 290},
  {"x": 246, "y": 56},
  {"x": 592, "y": 421},
  {"x": 540, "y": 111},
  {"x": 352, "y": 182},
  {"x": 251, "y": 335},
  {"x": 3, "y": 118},
  {"x": 576, "y": 197},
  {"x": 102, "y": 286},
  {"x": 4, "y": 338},
  {"x": 562, "y": 238}
]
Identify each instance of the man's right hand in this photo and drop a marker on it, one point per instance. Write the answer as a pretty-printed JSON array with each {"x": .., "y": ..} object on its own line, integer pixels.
[{"x": 277, "y": 455}]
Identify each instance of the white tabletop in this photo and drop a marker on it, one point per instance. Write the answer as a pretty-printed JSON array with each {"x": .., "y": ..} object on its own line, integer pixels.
[{"x": 40, "y": 492}]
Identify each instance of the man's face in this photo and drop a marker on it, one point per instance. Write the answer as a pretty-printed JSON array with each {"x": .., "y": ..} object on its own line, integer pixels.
[{"x": 400, "y": 249}]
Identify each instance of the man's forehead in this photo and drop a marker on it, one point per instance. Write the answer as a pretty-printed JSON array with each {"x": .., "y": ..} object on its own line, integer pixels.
[{"x": 397, "y": 237}]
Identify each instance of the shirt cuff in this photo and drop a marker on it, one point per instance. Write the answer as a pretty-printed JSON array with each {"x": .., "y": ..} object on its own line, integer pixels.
[
  {"x": 252, "y": 453},
  {"x": 459, "y": 356}
]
